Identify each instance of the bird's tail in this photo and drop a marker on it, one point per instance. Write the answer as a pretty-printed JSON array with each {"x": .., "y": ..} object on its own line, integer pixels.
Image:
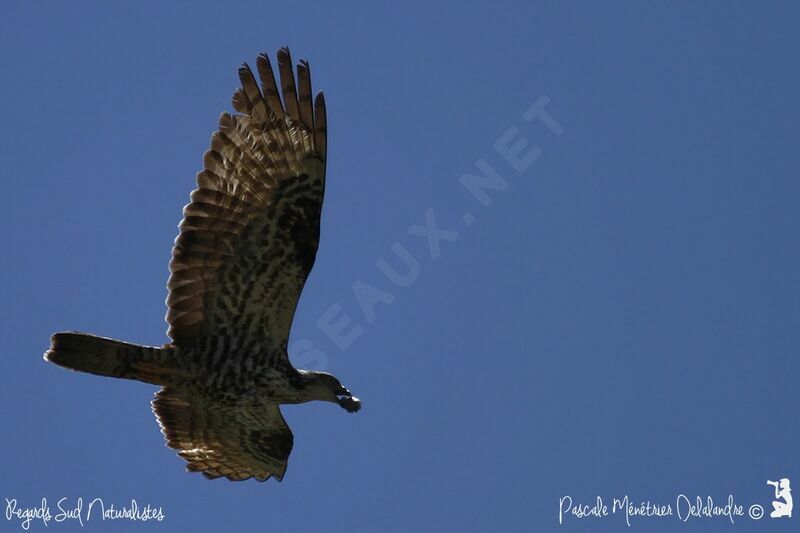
[{"x": 108, "y": 357}]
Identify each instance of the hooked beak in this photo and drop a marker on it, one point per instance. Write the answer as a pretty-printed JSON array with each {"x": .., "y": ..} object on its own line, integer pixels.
[{"x": 347, "y": 401}]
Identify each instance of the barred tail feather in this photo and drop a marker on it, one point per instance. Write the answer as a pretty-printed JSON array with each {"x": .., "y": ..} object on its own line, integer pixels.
[{"x": 108, "y": 357}]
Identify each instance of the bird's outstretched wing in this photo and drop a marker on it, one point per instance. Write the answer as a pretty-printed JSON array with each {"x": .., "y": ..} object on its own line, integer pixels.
[
  {"x": 249, "y": 237},
  {"x": 234, "y": 440}
]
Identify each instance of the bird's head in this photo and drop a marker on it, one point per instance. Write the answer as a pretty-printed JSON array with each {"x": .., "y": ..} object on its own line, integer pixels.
[{"x": 325, "y": 387}]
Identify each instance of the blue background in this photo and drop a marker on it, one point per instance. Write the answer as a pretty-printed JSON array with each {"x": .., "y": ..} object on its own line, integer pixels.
[{"x": 623, "y": 319}]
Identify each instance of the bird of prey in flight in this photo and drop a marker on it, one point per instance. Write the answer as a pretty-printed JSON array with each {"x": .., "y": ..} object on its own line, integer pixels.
[{"x": 247, "y": 242}]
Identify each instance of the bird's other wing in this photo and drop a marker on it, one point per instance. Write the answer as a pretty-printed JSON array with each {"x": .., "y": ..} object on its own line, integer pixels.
[
  {"x": 249, "y": 237},
  {"x": 220, "y": 439}
]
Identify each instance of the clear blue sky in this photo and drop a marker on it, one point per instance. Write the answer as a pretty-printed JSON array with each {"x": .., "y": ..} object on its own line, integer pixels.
[{"x": 621, "y": 319}]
